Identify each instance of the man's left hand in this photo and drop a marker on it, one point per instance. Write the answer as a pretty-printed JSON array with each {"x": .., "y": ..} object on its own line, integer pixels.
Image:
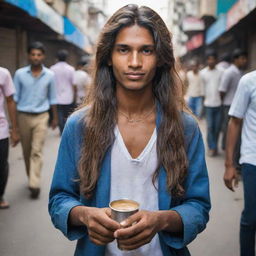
[
  {"x": 15, "y": 137},
  {"x": 138, "y": 230},
  {"x": 54, "y": 123}
]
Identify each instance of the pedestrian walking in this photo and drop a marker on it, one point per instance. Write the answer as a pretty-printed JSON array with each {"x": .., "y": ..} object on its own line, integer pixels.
[
  {"x": 6, "y": 93},
  {"x": 82, "y": 81},
  {"x": 132, "y": 141},
  {"x": 195, "y": 90},
  {"x": 243, "y": 115},
  {"x": 35, "y": 94},
  {"x": 64, "y": 81},
  {"x": 228, "y": 86},
  {"x": 211, "y": 80}
]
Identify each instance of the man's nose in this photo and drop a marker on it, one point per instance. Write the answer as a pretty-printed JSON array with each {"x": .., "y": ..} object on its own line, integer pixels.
[{"x": 135, "y": 60}]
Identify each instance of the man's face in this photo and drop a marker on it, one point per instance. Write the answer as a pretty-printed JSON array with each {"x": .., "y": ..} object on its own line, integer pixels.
[
  {"x": 36, "y": 57},
  {"x": 195, "y": 68},
  {"x": 211, "y": 62},
  {"x": 241, "y": 61},
  {"x": 133, "y": 58}
]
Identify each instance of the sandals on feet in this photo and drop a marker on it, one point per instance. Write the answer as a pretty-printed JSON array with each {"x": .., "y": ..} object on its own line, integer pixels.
[{"x": 4, "y": 204}]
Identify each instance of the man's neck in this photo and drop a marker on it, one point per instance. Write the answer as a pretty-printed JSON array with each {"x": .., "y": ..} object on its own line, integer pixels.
[
  {"x": 134, "y": 102},
  {"x": 36, "y": 69},
  {"x": 237, "y": 66}
]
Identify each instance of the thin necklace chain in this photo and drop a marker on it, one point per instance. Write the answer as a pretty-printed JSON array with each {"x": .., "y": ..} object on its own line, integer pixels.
[{"x": 132, "y": 120}]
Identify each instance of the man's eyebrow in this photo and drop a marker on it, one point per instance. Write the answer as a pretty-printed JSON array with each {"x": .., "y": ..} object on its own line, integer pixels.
[
  {"x": 121, "y": 45},
  {"x": 142, "y": 46}
]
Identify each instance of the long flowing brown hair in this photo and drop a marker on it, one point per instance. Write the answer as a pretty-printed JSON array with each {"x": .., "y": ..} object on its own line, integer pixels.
[{"x": 101, "y": 117}]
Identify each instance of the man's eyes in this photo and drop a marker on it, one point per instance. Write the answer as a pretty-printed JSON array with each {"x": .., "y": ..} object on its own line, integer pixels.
[
  {"x": 148, "y": 51},
  {"x": 143, "y": 51},
  {"x": 122, "y": 50}
]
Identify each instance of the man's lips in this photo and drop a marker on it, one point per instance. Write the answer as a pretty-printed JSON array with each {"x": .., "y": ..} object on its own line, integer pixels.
[{"x": 134, "y": 75}]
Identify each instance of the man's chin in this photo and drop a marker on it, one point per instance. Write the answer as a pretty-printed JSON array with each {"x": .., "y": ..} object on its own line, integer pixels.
[{"x": 36, "y": 64}]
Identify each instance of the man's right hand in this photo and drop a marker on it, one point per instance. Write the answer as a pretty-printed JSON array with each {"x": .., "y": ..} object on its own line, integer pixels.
[
  {"x": 99, "y": 224},
  {"x": 231, "y": 177}
]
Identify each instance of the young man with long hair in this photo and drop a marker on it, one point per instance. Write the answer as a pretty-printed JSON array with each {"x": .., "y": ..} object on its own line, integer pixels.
[{"x": 132, "y": 140}]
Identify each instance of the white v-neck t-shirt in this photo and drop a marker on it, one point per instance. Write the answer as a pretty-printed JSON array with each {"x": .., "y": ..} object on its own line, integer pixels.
[{"x": 132, "y": 178}]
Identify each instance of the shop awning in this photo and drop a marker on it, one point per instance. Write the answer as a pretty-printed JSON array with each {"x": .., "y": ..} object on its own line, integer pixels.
[
  {"x": 47, "y": 15},
  {"x": 39, "y": 9},
  {"x": 216, "y": 29},
  {"x": 74, "y": 35}
]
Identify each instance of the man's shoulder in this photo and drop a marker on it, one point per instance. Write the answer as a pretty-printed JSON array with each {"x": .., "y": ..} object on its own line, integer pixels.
[
  {"x": 248, "y": 81},
  {"x": 231, "y": 70},
  {"x": 4, "y": 71},
  {"x": 190, "y": 126},
  {"x": 78, "y": 118},
  {"x": 188, "y": 120},
  {"x": 22, "y": 70},
  {"x": 249, "y": 77},
  {"x": 48, "y": 71}
]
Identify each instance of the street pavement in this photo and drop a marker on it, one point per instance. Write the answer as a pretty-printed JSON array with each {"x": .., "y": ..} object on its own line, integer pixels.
[{"x": 26, "y": 229}]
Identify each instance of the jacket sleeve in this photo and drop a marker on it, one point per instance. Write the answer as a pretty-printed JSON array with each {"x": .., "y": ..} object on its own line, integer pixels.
[
  {"x": 195, "y": 206},
  {"x": 64, "y": 192}
]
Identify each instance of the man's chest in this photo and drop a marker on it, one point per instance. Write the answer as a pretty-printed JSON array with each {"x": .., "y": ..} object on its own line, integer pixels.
[{"x": 136, "y": 137}]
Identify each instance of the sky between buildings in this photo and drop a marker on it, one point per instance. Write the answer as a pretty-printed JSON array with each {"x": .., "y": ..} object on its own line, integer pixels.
[{"x": 160, "y": 6}]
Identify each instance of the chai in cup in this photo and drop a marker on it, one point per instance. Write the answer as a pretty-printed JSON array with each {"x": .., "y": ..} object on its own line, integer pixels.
[{"x": 122, "y": 209}]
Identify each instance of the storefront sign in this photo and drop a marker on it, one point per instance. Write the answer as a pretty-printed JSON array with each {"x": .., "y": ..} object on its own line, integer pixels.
[
  {"x": 237, "y": 12},
  {"x": 192, "y": 24},
  {"x": 195, "y": 42},
  {"x": 223, "y": 6},
  {"x": 251, "y": 4}
]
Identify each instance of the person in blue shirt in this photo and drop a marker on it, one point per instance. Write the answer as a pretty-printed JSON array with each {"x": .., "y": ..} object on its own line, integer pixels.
[
  {"x": 133, "y": 140},
  {"x": 35, "y": 95}
]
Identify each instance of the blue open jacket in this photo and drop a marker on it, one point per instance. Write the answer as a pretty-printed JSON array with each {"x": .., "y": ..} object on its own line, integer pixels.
[{"x": 64, "y": 194}]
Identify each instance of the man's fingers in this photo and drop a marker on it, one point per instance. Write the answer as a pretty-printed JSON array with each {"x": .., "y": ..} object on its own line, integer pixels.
[
  {"x": 100, "y": 229},
  {"x": 131, "y": 220},
  {"x": 138, "y": 238},
  {"x": 132, "y": 245},
  {"x": 133, "y": 230},
  {"x": 99, "y": 239},
  {"x": 228, "y": 184}
]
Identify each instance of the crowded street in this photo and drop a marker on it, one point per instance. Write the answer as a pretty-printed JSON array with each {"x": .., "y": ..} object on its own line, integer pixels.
[{"x": 19, "y": 226}]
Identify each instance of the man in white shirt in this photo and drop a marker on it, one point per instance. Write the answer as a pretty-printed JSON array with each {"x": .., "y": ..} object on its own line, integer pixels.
[
  {"x": 194, "y": 89},
  {"x": 243, "y": 115},
  {"x": 211, "y": 79},
  {"x": 82, "y": 81},
  {"x": 228, "y": 86},
  {"x": 64, "y": 81}
]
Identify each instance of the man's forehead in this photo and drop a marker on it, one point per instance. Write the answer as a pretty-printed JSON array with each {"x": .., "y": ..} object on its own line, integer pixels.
[{"x": 134, "y": 35}]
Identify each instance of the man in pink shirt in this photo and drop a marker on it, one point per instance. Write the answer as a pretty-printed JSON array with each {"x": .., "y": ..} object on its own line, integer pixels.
[
  {"x": 65, "y": 90},
  {"x": 6, "y": 92}
]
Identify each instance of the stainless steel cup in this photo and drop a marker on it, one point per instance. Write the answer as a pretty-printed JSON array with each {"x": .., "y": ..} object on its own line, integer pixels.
[{"x": 122, "y": 209}]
